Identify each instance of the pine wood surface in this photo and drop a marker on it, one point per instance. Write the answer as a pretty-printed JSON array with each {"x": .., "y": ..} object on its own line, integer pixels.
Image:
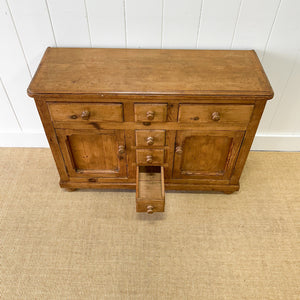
[
  {"x": 137, "y": 71},
  {"x": 107, "y": 112}
]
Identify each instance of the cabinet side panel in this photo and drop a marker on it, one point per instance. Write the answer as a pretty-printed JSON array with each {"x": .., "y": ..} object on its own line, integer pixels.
[
  {"x": 248, "y": 139},
  {"x": 52, "y": 139}
]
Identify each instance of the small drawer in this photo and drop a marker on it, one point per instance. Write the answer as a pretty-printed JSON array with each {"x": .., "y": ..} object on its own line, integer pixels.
[
  {"x": 149, "y": 157},
  {"x": 150, "y": 191},
  {"x": 91, "y": 112},
  {"x": 150, "y": 138},
  {"x": 150, "y": 112},
  {"x": 215, "y": 114}
]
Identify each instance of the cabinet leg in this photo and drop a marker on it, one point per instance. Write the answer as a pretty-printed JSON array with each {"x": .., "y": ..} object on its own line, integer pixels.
[
  {"x": 228, "y": 192},
  {"x": 70, "y": 189}
]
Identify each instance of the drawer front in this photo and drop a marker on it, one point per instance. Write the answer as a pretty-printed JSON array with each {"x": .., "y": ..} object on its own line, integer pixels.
[
  {"x": 86, "y": 112},
  {"x": 150, "y": 112},
  {"x": 150, "y": 191},
  {"x": 150, "y": 138},
  {"x": 215, "y": 114},
  {"x": 149, "y": 157}
]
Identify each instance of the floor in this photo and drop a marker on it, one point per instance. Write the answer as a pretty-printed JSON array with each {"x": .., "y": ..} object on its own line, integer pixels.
[{"x": 93, "y": 245}]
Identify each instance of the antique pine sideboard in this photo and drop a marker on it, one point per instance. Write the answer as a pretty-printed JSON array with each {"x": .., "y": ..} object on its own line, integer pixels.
[{"x": 150, "y": 120}]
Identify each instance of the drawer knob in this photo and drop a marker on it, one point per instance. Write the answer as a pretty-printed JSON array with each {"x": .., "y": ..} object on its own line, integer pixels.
[
  {"x": 150, "y": 140},
  {"x": 215, "y": 116},
  {"x": 149, "y": 159},
  {"x": 150, "y": 115},
  {"x": 150, "y": 209},
  {"x": 85, "y": 115},
  {"x": 179, "y": 150},
  {"x": 121, "y": 149}
]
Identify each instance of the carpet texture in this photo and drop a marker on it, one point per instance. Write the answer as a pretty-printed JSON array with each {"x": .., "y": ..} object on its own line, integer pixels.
[{"x": 93, "y": 245}]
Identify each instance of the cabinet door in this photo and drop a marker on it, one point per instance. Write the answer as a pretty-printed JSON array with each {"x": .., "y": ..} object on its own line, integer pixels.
[
  {"x": 93, "y": 154},
  {"x": 202, "y": 155}
]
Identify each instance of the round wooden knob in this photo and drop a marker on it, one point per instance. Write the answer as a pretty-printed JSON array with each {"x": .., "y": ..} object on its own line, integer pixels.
[
  {"x": 179, "y": 150},
  {"x": 85, "y": 115},
  {"x": 150, "y": 115},
  {"x": 150, "y": 209},
  {"x": 121, "y": 149},
  {"x": 149, "y": 159},
  {"x": 215, "y": 116},
  {"x": 150, "y": 140}
]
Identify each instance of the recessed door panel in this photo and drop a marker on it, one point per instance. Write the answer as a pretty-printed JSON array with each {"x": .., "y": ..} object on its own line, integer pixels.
[
  {"x": 206, "y": 154},
  {"x": 101, "y": 154}
]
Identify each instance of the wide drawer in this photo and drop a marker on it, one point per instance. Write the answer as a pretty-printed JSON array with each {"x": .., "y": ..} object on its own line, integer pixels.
[
  {"x": 149, "y": 157},
  {"x": 150, "y": 138},
  {"x": 150, "y": 191},
  {"x": 215, "y": 114},
  {"x": 92, "y": 112},
  {"x": 150, "y": 112}
]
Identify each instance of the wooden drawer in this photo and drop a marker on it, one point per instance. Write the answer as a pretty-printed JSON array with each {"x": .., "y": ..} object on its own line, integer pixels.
[
  {"x": 92, "y": 112},
  {"x": 215, "y": 114},
  {"x": 150, "y": 157},
  {"x": 150, "y": 112},
  {"x": 150, "y": 138},
  {"x": 150, "y": 191}
]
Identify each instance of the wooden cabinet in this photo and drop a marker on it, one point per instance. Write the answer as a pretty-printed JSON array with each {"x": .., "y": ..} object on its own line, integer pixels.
[{"x": 150, "y": 120}]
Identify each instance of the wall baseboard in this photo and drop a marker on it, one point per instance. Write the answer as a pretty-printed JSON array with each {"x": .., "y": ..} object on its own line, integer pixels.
[
  {"x": 276, "y": 143},
  {"x": 261, "y": 142}
]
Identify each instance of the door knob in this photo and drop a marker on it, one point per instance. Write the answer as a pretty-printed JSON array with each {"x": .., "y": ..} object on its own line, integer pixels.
[
  {"x": 150, "y": 140},
  {"x": 215, "y": 116},
  {"x": 149, "y": 159},
  {"x": 179, "y": 150},
  {"x": 150, "y": 209},
  {"x": 85, "y": 115},
  {"x": 150, "y": 115},
  {"x": 121, "y": 149}
]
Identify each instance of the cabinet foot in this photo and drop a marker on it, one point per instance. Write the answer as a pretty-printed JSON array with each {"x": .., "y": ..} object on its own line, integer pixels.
[
  {"x": 70, "y": 189},
  {"x": 228, "y": 192}
]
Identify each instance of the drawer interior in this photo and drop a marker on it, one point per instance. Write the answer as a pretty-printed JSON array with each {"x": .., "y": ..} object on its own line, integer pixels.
[{"x": 150, "y": 191}]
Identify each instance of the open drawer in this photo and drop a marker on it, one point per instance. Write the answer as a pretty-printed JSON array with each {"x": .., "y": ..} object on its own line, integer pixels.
[{"x": 150, "y": 190}]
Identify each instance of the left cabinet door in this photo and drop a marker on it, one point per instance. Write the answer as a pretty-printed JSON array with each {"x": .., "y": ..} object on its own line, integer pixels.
[{"x": 93, "y": 154}]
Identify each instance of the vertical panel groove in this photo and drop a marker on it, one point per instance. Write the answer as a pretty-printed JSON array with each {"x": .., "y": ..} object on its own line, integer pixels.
[
  {"x": 162, "y": 23},
  {"x": 18, "y": 37},
  {"x": 236, "y": 22},
  {"x": 125, "y": 23},
  {"x": 271, "y": 30},
  {"x": 88, "y": 23},
  {"x": 51, "y": 22},
  {"x": 11, "y": 106},
  {"x": 199, "y": 24}
]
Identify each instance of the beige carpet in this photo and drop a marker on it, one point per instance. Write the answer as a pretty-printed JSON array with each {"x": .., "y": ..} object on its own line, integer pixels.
[{"x": 93, "y": 245}]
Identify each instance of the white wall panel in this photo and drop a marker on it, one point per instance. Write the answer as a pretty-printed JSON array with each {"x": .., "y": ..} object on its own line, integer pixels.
[
  {"x": 280, "y": 56},
  {"x": 181, "y": 23},
  {"x": 14, "y": 72},
  {"x": 144, "y": 23},
  {"x": 34, "y": 28},
  {"x": 254, "y": 24},
  {"x": 69, "y": 22},
  {"x": 217, "y": 23},
  {"x": 271, "y": 27},
  {"x": 107, "y": 23},
  {"x": 8, "y": 121},
  {"x": 287, "y": 116}
]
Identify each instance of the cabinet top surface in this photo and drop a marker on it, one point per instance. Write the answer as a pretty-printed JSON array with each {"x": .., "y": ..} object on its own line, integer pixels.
[{"x": 92, "y": 71}]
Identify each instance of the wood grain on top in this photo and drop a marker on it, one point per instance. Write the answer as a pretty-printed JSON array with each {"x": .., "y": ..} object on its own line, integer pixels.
[{"x": 159, "y": 72}]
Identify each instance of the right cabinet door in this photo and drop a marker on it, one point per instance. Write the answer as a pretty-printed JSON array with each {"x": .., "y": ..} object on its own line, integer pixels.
[{"x": 206, "y": 155}]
